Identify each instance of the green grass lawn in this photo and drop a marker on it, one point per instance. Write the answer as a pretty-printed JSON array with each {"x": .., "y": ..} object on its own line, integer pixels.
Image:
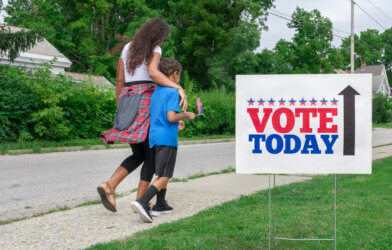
[
  {"x": 382, "y": 125},
  {"x": 37, "y": 146},
  {"x": 364, "y": 218}
]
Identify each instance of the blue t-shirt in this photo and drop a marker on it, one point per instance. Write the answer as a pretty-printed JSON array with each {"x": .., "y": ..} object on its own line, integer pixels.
[{"x": 163, "y": 132}]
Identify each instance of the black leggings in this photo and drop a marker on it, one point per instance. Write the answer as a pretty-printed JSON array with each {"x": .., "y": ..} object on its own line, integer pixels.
[{"x": 141, "y": 153}]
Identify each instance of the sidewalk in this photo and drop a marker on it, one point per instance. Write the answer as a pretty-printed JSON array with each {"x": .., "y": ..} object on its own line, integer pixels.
[{"x": 85, "y": 226}]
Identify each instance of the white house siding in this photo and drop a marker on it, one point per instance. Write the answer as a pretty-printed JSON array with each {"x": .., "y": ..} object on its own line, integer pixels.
[{"x": 32, "y": 61}]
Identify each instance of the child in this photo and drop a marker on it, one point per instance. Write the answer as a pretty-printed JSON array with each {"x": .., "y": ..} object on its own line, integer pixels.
[{"x": 164, "y": 125}]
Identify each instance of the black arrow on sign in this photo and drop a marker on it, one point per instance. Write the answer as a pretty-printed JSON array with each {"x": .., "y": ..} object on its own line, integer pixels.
[{"x": 349, "y": 120}]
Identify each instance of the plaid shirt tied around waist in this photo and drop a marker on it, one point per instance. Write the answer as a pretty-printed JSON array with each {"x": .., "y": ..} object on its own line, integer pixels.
[{"x": 138, "y": 130}]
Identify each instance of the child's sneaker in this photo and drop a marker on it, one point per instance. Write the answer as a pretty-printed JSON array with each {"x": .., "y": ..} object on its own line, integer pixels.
[
  {"x": 162, "y": 208},
  {"x": 143, "y": 211}
]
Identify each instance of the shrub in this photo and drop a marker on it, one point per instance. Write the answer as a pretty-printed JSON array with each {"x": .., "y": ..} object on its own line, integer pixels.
[
  {"x": 16, "y": 103},
  {"x": 382, "y": 109},
  {"x": 219, "y": 114},
  {"x": 41, "y": 106}
]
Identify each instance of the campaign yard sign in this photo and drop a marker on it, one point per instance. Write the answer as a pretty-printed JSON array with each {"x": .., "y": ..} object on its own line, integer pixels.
[{"x": 304, "y": 124}]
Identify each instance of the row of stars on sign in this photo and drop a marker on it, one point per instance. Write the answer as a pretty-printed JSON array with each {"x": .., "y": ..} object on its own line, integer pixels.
[{"x": 292, "y": 102}]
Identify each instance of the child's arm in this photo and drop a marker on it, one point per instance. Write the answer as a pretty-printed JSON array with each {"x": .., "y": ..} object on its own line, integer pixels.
[{"x": 173, "y": 116}]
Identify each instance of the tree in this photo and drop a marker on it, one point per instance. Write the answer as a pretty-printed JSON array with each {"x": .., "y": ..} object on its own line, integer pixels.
[
  {"x": 387, "y": 57},
  {"x": 12, "y": 43},
  {"x": 204, "y": 30},
  {"x": 311, "y": 42},
  {"x": 237, "y": 58},
  {"x": 310, "y": 50},
  {"x": 276, "y": 61},
  {"x": 84, "y": 31},
  {"x": 368, "y": 48}
]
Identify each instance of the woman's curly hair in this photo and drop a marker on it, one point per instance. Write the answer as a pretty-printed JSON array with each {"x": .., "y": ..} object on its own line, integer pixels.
[{"x": 153, "y": 32}]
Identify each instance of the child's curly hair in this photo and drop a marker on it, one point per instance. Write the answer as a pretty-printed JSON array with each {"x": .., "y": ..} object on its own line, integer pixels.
[{"x": 169, "y": 65}]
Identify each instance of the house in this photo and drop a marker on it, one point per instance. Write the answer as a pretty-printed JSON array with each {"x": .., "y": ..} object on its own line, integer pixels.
[
  {"x": 45, "y": 52},
  {"x": 42, "y": 52},
  {"x": 380, "y": 78}
]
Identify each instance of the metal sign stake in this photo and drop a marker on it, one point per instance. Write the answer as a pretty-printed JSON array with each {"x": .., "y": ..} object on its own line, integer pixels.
[{"x": 271, "y": 213}]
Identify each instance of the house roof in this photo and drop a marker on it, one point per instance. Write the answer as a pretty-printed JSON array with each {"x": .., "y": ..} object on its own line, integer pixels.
[
  {"x": 375, "y": 70},
  {"x": 42, "y": 48},
  {"x": 340, "y": 71},
  {"x": 100, "y": 81}
]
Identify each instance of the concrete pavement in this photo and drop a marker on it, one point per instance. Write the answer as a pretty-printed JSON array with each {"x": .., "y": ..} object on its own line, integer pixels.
[{"x": 84, "y": 226}]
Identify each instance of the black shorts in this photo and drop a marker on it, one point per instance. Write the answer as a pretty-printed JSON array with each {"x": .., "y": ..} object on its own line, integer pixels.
[{"x": 165, "y": 160}]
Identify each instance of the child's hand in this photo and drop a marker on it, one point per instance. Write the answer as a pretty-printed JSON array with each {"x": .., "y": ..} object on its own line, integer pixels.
[
  {"x": 181, "y": 125},
  {"x": 191, "y": 116}
]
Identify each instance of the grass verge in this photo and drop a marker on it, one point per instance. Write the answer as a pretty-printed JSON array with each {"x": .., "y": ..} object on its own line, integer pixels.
[
  {"x": 84, "y": 144},
  {"x": 4, "y": 222},
  {"x": 364, "y": 217},
  {"x": 382, "y": 125},
  {"x": 201, "y": 175}
]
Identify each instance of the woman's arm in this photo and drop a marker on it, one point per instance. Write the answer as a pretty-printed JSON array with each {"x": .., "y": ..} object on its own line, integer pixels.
[
  {"x": 120, "y": 78},
  {"x": 158, "y": 77}
]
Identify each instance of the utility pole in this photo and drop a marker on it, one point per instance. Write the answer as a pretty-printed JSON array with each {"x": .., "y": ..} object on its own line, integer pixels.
[{"x": 352, "y": 36}]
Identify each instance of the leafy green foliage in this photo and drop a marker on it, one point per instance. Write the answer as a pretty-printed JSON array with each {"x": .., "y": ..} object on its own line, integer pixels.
[
  {"x": 87, "y": 31},
  {"x": 368, "y": 48},
  {"x": 237, "y": 58},
  {"x": 39, "y": 106},
  {"x": 219, "y": 114},
  {"x": 13, "y": 43},
  {"x": 84, "y": 31},
  {"x": 205, "y": 30},
  {"x": 16, "y": 102},
  {"x": 387, "y": 56},
  {"x": 312, "y": 40},
  {"x": 382, "y": 109},
  {"x": 310, "y": 51}
]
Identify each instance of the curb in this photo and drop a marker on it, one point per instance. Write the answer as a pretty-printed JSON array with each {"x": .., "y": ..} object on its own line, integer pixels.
[{"x": 102, "y": 147}]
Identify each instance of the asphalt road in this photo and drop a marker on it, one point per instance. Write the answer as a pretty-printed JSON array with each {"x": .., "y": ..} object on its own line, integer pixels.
[
  {"x": 35, "y": 183},
  {"x": 38, "y": 182},
  {"x": 381, "y": 136}
]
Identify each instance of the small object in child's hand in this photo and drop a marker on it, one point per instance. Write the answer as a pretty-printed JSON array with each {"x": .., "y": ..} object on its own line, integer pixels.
[{"x": 200, "y": 110}]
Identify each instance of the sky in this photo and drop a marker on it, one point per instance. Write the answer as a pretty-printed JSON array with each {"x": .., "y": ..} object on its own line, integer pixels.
[
  {"x": 338, "y": 11},
  {"x": 2, "y": 13}
]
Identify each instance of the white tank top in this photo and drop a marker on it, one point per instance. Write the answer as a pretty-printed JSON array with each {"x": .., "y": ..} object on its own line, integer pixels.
[{"x": 141, "y": 72}]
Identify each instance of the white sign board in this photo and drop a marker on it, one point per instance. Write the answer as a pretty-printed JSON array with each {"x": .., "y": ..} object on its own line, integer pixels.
[{"x": 304, "y": 124}]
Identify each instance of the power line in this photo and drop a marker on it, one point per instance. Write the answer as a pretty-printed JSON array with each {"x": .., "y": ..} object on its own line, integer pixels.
[
  {"x": 379, "y": 10},
  {"x": 369, "y": 15},
  {"x": 341, "y": 31},
  {"x": 282, "y": 13},
  {"x": 289, "y": 19},
  {"x": 345, "y": 32}
]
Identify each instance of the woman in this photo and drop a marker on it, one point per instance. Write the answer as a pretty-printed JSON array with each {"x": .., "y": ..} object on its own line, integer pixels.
[{"x": 137, "y": 70}]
